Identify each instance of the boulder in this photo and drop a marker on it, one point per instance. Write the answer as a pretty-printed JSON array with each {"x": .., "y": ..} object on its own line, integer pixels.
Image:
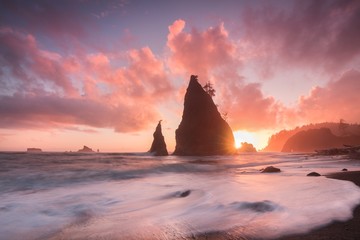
[
  {"x": 202, "y": 130},
  {"x": 313, "y": 174},
  {"x": 271, "y": 169},
  {"x": 158, "y": 146}
]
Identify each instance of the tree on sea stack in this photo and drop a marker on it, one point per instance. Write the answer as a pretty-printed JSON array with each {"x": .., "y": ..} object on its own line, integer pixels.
[{"x": 202, "y": 130}]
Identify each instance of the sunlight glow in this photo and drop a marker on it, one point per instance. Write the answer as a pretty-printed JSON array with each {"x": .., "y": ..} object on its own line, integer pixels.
[{"x": 244, "y": 136}]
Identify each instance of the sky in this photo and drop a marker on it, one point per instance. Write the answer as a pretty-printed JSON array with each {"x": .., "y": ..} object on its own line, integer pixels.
[{"x": 103, "y": 73}]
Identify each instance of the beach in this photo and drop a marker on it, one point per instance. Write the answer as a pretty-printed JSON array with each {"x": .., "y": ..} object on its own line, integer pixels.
[
  {"x": 139, "y": 196},
  {"x": 349, "y": 230}
]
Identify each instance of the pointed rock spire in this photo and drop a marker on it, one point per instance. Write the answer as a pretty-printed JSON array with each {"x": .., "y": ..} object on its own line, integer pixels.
[
  {"x": 202, "y": 130},
  {"x": 158, "y": 146}
]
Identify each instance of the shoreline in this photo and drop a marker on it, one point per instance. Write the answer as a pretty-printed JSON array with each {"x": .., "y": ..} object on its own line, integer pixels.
[{"x": 349, "y": 230}]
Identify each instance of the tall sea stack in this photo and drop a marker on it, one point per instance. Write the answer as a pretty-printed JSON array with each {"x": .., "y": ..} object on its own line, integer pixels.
[
  {"x": 158, "y": 146},
  {"x": 202, "y": 130}
]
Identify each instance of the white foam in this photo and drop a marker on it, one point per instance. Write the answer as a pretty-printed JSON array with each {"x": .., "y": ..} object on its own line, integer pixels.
[{"x": 260, "y": 205}]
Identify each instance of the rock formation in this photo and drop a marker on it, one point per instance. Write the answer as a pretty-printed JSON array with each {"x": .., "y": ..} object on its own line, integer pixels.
[
  {"x": 202, "y": 130},
  {"x": 34, "y": 150},
  {"x": 271, "y": 169},
  {"x": 246, "y": 147},
  {"x": 85, "y": 149},
  {"x": 317, "y": 139},
  {"x": 158, "y": 146}
]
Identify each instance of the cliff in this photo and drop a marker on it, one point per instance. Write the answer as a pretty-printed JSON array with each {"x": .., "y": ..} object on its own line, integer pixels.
[
  {"x": 202, "y": 130},
  {"x": 158, "y": 146},
  {"x": 316, "y": 139},
  {"x": 276, "y": 141}
]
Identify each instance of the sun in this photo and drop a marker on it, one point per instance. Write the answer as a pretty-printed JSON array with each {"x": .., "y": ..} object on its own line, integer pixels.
[{"x": 244, "y": 136}]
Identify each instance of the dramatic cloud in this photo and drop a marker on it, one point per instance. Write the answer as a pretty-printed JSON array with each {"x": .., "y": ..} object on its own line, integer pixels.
[
  {"x": 212, "y": 55},
  {"x": 52, "y": 111},
  {"x": 315, "y": 34},
  {"x": 44, "y": 89},
  {"x": 337, "y": 100}
]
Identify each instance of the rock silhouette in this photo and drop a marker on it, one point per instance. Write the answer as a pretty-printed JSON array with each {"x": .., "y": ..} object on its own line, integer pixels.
[
  {"x": 202, "y": 130},
  {"x": 271, "y": 169},
  {"x": 86, "y": 149},
  {"x": 317, "y": 139},
  {"x": 158, "y": 146}
]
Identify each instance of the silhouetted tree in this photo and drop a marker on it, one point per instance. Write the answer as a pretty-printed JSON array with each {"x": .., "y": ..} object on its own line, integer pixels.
[
  {"x": 343, "y": 126},
  {"x": 208, "y": 87}
]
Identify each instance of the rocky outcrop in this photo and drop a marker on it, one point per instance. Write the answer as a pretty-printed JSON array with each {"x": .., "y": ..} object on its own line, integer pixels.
[
  {"x": 86, "y": 149},
  {"x": 271, "y": 169},
  {"x": 317, "y": 139},
  {"x": 202, "y": 130},
  {"x": 313, "y": 174},
  {"x": 158, "y": 146},
  {"x": 246, "y": 147},
  {"x": 34, "y": 150}
]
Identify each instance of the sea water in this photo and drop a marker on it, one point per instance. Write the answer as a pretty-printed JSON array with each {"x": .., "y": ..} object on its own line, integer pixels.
[{"x": 136, "y": 196}]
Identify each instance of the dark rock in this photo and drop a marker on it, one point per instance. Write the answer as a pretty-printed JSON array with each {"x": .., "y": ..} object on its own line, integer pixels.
[
  {"x": 313, "y": 174},
  {"x": 262, "y": 207},
  {"x": 85, "y": 149},
  {"x": 202, "y": 130},
  {"x": 314, "y": 139},
  {"x": 246, "y": 147},
  {"x": 34, "y": 150},
  {"x": 158, "y": 146},
  {"x": 271, "y": 169},
  {"x": 185, "y": 194},
  {"x": 344, "y": 170}
]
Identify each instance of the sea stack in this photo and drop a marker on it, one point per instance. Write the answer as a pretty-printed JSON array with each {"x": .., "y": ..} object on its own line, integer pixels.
[
  {"x": 202, "y": 130},
  {"x": 158, "y": 146}
]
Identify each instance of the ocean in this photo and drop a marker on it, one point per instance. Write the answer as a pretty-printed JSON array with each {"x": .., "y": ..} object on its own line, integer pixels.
[{"x": 137, "y": 196}]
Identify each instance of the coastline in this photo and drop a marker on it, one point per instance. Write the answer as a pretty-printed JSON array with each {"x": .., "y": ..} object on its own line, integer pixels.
[{"x": 349, "y": 230}]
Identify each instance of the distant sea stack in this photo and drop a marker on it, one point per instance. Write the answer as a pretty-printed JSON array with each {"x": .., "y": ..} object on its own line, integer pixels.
[
  {"x": 86, "y": 150},
  {"x": 158, "y": 146},
  {"x": 34, "y": 150},
  {"x": 202, "y": 130},
  {"x": 317, "y": 139}
]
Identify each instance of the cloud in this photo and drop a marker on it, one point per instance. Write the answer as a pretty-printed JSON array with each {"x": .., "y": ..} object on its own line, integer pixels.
[
  {"x": 213, "y": 56},
  {"x": 20, "y": 111},
  {"x": 46, "y": 89},
  {"x": 339, "y": 99},
  {"x": 313, "y": 34},
  {"x": 22, "y": 60}
]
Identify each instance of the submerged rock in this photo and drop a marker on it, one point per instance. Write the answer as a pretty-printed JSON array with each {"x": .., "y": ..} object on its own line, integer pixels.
[
  {"x": 271, "y": 169},
  {"x": 202, "y": 130},
  {"x": 344, "y": 170},
  {"x": 313, "y": 174},
  {"x": 158, "y": 146}
]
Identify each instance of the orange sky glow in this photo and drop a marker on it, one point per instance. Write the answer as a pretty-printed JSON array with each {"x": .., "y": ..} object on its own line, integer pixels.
[{"x": 103, "y": 74}]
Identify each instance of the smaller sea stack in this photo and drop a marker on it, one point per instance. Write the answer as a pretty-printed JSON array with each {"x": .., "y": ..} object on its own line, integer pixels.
[{"x": 158, "y": 146}]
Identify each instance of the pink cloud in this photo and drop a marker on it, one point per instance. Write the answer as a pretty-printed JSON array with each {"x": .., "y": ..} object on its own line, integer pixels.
[
  {"x": 337, "y": 100},
  {"x": 212, "y": 55},
  {"x": 312, "y": 34},
  {"x": 21, "y": 111},
  {"x": 46, "y": 89}
]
